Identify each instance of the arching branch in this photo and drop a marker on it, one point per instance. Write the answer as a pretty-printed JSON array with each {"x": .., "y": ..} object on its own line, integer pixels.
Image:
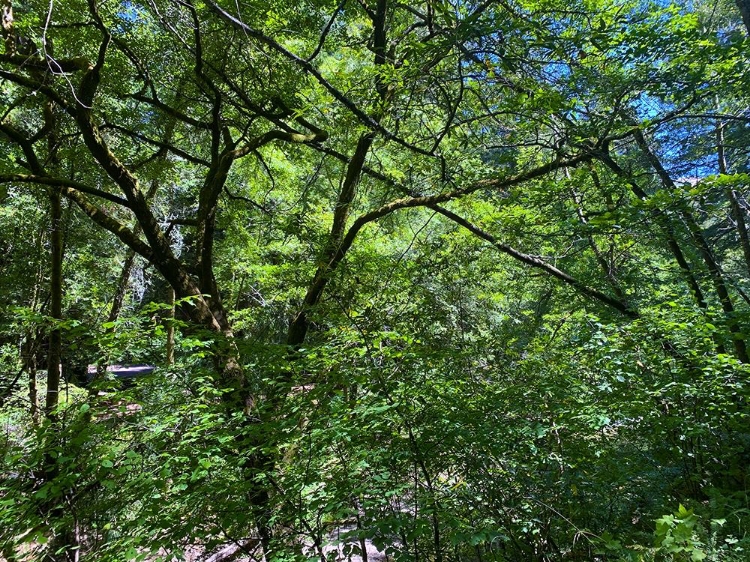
[{"x": 539, "y": 263}]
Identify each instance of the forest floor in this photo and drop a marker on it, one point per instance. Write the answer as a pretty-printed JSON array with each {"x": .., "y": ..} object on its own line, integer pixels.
[
  {"x": 335, "y": 544},
  {"x": 335, "y": 550}
]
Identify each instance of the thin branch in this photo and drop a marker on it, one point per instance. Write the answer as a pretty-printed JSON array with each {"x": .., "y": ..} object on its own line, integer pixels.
[
  {"x": 310, "y": 69},
  {"x": 171, "y": 111},
  {"x": 37, "y": 87},
  {"x": 326, "y": 30},
  {"x": 159, "y": 144},
  {"x": 234, "y": 197},
  {"x": 36, "y": 63},
  {"x": 61, "y": 182},
  {"x": 270, "y": 136}
]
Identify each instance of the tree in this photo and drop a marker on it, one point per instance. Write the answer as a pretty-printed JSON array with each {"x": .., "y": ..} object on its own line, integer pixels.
[{"x": 379, "y": 169}]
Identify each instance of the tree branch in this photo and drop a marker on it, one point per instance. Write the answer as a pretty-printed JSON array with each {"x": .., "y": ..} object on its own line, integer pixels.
[
  {"x": 55, "y": 66},
  {"x": 537, "y": 262},
  {"x": 159, "y": 144},
  {"x": 310, "y": 69},
  {"x": 63, "y": 183}
]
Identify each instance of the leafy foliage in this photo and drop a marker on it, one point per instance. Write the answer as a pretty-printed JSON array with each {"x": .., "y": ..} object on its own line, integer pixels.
[{"x": 451, "y": 280}]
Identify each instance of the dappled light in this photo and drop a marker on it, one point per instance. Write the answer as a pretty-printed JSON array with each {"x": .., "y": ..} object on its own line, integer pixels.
[{"x": 374, "y": 280}]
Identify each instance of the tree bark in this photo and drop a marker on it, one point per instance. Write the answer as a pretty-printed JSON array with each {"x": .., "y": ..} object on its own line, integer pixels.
[
  {"x": 29, "y": 351},
  {"x": 170, "y": 327},
  {"x": 744, "y": 7},
  {"x": 301, "y": 323},
  {"x": 699, "y": 240},
  {"x": 55, "y": 336},
  {"x": 663, "y": 221},
  {"x": 122, "y": 286},
  {"x": 734, "y": 205},
  {"x": 537, "y": 262},
  {"x": 330, "y": 258}
]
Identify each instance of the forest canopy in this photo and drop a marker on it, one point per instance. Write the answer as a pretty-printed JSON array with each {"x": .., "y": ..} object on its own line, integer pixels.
[{"x": 438, "y": 280}]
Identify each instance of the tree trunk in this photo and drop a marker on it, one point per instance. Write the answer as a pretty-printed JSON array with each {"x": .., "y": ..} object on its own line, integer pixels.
[
  {"x": 170, "y": 328},
  {"x": 122, "y": 286},
  {"x": 744, "y": 6},
  {"x": 55, "y": 336},
  {"x": 29, "y": 351},
  {"x": 699, "y": 240},
  {"x": 663, "y": 221},
  {"x": 734, "y": 204},
  {"x": 61, "y": 539},
  {"x": 332, "y": 255},
  {"x": 30, "y": 348}
]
